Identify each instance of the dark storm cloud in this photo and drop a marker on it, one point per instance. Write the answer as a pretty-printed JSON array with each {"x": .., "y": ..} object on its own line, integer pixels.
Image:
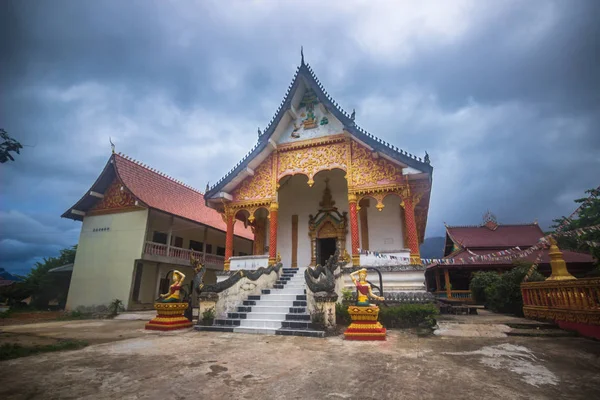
[{"x": 504, "y": 96}]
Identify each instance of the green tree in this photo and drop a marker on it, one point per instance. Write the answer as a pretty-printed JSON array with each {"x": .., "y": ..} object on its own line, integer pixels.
[
  {"x": 40, "y": 285},
  {"x": 480, "y": 282},
  {"x": 7, "y": 146},
  {"x": 588, "y": 215},
  {"x": 504, "y": 295}
]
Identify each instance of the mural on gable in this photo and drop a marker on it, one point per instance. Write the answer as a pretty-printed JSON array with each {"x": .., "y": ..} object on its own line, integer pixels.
[{"x": 313, "y": 121}]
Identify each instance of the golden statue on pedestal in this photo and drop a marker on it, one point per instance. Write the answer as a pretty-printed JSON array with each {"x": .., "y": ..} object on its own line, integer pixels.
[
  {"x": 364, "y": 315},
  {"x": 174, "y": 290},
  {"x": 363, "y": 288},
  {"x": 170, "y": 307}
]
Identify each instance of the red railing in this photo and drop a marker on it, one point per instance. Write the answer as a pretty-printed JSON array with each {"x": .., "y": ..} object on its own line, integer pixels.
[{"x": 178, "y": 253}]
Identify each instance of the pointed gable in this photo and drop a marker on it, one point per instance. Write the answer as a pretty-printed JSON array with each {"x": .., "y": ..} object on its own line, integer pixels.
[
  {"x": 308, "y": 112},
  {"x": 127, "y": 183}
]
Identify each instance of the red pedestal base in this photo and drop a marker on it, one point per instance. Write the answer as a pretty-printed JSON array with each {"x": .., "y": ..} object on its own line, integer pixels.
[
  {"x": 170, "y": 317},
  {"x": 364, "y": 324}
]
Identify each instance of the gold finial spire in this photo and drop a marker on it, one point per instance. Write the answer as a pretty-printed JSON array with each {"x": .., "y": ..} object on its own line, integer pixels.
[{"x": 558, "y": 264}]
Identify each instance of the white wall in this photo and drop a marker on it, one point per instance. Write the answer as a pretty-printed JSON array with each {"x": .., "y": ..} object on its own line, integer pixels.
[
  {"x": 105, "y": 259},
  {"x": 296, "y": 197},
  {"x": 385, "y": 226}
]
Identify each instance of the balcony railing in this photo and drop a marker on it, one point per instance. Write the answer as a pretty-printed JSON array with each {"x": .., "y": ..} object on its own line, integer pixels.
[
  {"x": 177, "y": 253},
  {"x": 570, "y": 299},
  {"x": 457, "y": 295}
]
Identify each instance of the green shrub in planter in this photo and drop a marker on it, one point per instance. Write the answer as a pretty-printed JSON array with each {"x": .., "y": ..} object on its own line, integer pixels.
[
  {"x": 342, "y": 316},
  {"x": 408, "y": 316}
]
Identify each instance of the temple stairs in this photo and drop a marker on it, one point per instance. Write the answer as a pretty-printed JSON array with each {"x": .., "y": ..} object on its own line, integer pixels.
[{"x": 280, "y": 310}]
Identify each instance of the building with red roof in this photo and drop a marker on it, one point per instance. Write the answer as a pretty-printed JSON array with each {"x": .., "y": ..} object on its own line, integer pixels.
[
  {"x": 465, "y": 245},
  {"x": 138, "y": 224}
]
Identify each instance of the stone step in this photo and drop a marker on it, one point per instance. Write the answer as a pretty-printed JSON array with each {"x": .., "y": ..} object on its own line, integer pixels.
[
  {"x": 297, "y": 317},
  {"x": 282, "y": 297},
  {"x": 260, "y": 331},
  {"x": 541, "y": 332},
  {"x": 260, "y": 323},
  {"x": 532, "y": 325},
  {"x": 266, "y": 316},
  {"x": 277, "y": 309},
  {"x": 227, "y": 322},
  {"x": 300, "y": 332},
  {"x": 285, "y": 291},
  {"x": 296, "y": 324},
  {"x": 273, "y": 302},
  {"x": 213, "y": 328}
]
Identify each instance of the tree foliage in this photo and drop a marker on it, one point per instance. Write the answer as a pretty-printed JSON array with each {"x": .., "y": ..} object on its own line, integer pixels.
[
  {"x": 42, "y": 286},
  {"x": 7, "y": 146},
  {"x": 504, "y": 296},
  {"x": 481, "y": 280},
  {"x": 588, "y": 215}
]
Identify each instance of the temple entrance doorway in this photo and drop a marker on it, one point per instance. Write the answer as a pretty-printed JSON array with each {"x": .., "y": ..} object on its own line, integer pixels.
[{"x": 325, "y": 249}]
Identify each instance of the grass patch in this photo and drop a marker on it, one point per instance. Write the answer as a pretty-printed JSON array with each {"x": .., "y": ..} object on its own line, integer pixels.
[{"x": 9, "y": 351}]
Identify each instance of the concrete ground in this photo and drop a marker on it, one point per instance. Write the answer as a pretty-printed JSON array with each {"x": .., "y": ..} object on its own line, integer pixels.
[{"x": 127, "y": 362}]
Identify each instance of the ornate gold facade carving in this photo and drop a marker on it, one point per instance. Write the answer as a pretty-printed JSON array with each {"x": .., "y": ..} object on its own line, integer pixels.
[
  {"x": 116, "y": 198},
  {"x": 256, "y": 187},
  {"x": 310, "y": 160},
  {"x": 368, "y": 170}
]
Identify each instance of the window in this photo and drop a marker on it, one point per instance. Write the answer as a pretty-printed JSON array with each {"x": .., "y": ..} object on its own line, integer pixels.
[
  {"x": 220, "y": 251},
  {"x": 209, "y": 249},
  {"x": 159, "y": 237},
  {"x": 194, "y": 245},
  {"x": 241, "y": 253},
  {"x": 177, "y": 241}
]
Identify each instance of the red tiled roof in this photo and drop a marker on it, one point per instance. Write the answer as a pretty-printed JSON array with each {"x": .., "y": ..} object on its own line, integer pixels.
[
  {"x": 166, "y": 194},
  {"x": 503, "y": 236}
]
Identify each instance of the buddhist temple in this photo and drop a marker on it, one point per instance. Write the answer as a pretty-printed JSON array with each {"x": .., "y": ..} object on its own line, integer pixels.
[
  {"x": 315, "y": 181},
  {"x": 464, "y": 243}
]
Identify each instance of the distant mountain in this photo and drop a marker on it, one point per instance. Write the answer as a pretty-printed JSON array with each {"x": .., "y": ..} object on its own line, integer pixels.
[{"x": 433, "y": 247}]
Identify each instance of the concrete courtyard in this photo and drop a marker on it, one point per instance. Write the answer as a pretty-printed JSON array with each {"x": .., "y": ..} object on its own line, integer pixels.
[{"x": 126, "y": 362}]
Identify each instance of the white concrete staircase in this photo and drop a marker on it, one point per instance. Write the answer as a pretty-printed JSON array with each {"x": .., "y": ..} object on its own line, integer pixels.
[{"x": 280, "y": 310}]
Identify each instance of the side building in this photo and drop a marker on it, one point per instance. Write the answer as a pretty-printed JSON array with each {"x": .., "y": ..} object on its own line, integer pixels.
[
  {"x": 465, "y": 243},
  {"x": 138, "y": 224}
]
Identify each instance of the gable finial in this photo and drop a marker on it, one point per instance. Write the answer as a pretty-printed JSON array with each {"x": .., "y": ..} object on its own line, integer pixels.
[
  {"x": 207, "y": 187},
  {"x": 112, "y": 145},
  {"x": 259, "y": 132},
  {"x": 353, "y": 115},
  {"x": 302, "y": 55},
  {"x": 426, "y": 158}
]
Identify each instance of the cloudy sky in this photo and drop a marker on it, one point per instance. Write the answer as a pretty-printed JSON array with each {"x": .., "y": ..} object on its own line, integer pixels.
[{"x": 504, "y": 95}]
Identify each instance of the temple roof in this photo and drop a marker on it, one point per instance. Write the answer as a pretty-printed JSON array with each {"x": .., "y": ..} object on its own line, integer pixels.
[
  {"x": 155, "y": 190},
  {"x": 305, "y": 76},
  {"x": 500, "y": 237}
]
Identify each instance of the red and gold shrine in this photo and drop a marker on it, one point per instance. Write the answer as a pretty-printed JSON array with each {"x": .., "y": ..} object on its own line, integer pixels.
[
  {"x": 170, "y": 317},
  {"x": 364, "y": 324}
]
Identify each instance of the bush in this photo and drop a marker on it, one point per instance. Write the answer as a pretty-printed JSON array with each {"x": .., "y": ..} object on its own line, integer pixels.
[
  {"x": 209, "y": 314},
  {"x": 481, "y": 281},
  {"x": 504, "y": 296},
  {"x": 347, "y": 294},
  {"x": 342, "y": 316},
  {"x": 115, "y": 307},
  {"x": 408, "y": 316}
]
